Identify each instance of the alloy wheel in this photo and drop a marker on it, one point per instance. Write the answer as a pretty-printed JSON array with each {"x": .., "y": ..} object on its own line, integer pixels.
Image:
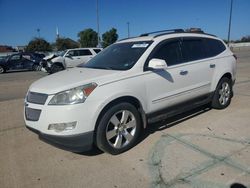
[
  {"x": 121, "y": 129},
  {"x": 224, "y": 93}
]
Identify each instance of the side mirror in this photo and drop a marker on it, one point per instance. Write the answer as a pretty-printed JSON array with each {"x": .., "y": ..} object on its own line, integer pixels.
[{"x": 157, "y": 64}]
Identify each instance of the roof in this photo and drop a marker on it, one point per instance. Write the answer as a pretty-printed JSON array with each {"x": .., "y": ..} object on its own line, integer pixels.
[{"x": 164, "y": 34}]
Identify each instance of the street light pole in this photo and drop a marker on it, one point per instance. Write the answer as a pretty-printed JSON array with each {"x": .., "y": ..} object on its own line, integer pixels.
[
  {"x": 128, "y": 30},
  {"x": 230, "y": 20},
  {"x": 97, "y": 19},
  {"x": 38, "y": 32}
]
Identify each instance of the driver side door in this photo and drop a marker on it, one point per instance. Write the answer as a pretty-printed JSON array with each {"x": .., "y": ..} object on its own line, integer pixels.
[{"x": 15, "y": 62}]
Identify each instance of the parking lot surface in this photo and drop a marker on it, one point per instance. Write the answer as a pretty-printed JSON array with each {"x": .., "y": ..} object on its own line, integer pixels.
[{"x": 201, "y": 148}]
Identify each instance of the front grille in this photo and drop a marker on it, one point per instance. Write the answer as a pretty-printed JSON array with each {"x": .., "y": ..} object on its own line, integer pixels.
[
  {"x": 37, "y": 98},
  {"x": 32, "y": 114}
]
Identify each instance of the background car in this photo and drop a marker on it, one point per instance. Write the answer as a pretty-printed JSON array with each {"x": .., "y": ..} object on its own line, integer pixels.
[
  {"x": 68, "y": 59},
  {"x": 20, "y": 61}
]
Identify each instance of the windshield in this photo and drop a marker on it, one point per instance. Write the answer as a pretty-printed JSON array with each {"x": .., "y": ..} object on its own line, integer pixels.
[{"x": 119, "y": 56}]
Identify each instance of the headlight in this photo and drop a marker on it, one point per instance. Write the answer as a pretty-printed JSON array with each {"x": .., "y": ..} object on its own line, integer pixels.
[{"x": 73, "y": 96}]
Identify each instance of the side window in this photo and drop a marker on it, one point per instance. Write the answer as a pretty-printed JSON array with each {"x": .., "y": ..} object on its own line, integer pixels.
[
  {"x": 192, "y": 49},
  {"x": 27, "y": 56},
  {"x": 170, "y": 52},
  {"x": 214, "y": 47},
  {"x": 15, "y": 57},
  {"x": 84, "y": 52},
  {"x": 97, "y": 50},
  {"x": 73, "y": 53}
]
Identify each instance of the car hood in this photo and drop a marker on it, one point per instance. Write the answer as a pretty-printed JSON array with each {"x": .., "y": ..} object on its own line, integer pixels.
[
  {"x": 71, "y": 78},
  {"x": 49, "y": 57},
  {"x": 57, "y": 59}
]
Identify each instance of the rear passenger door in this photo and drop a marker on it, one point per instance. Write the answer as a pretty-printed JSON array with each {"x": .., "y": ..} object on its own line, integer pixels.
[
  {"x": 85, "y": 55},
  {"x": 195, "y": 59},
  {"x": 72, "y": 58}
]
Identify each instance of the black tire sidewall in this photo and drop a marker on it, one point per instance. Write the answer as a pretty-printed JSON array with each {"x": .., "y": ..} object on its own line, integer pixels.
[
  {"x": 56, "y": 68},
  {"x": 101, "y": 140},
  {"x": 3, "y": 69},
  {"x": 215, "y": 102},
  {"x": 34, "y": 67}
]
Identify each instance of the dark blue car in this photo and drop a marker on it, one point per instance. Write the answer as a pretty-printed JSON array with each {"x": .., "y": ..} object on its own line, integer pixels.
[{"x": 20, "y": 61}]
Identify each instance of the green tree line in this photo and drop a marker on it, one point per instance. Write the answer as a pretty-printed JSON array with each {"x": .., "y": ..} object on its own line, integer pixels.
[{"x": 86, "y": 38}]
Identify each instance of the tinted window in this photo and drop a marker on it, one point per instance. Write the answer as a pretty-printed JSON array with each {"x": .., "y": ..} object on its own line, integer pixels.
[
  {"x": 214, "y": 47},
  {"x": 170, "y": 52},
  {"x": 84, "y": 52},
  {"x": 73, "y": 53},
  {"x": 97, "y": 50},
  {"x": 15, "y": 57},
  {"x": 119, "y": 56},
  {"x": 193, "y": 49}
]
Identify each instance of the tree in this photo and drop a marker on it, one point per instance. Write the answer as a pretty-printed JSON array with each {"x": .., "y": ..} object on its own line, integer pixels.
[
  {"x": 109, "y": 37},
  {"x": 88, "y": 38},
  {"x": 245, "y": 39},
  {"x": 65, "y": 43},
  {"x": 38, "y": 45}
]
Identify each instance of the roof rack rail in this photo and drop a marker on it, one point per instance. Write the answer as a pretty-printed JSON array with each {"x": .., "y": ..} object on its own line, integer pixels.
[{"x": 163, "y": 32}]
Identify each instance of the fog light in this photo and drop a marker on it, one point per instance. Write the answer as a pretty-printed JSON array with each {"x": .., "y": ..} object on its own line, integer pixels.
[{"x": 59, "y": 127}]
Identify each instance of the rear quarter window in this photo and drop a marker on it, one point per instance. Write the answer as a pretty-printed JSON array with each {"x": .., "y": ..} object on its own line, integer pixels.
[
  {"x": 214, "y": 47},
  {"x": 97, "y": 50},
  {"x": 84, "y": 52}
]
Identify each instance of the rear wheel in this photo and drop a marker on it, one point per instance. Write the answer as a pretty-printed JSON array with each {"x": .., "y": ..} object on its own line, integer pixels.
[
  {"x": 118, "y": 129},
  {"x": 223, "y": 94},
  {"x": 2, "y": 70},
  {"x": 56, "y": 68}
]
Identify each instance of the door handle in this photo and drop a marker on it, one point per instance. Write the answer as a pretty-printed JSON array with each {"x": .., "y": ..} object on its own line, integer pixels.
[
  {"x": 183, "y": 72},
  {"x": 212, "y": 65}
]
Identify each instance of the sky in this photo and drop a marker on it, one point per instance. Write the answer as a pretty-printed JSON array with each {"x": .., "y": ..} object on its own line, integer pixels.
[{"x": 20, "y": 19}]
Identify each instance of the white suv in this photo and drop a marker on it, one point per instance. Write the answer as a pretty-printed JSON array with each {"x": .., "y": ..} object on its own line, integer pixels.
[
  {"x": 108, "y": 101},
  {"x": 69, "y": 58}
]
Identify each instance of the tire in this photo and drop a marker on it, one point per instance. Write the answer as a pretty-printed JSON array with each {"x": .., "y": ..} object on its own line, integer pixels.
[
  {"x": 2, "y": 70},
  {"x": 223, "y": 94},
  {"x": 56, "y": 68},
  {"x": 112, "y": 134},
  {"x": 34, "y": 67}
]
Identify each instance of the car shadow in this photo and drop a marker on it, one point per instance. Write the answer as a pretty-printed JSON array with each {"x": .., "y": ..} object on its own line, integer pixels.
[{"x": 158, "y": 126}]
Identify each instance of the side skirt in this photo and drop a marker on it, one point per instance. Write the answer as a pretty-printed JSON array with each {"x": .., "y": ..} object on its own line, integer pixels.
[{"x": 179, "y": 108}]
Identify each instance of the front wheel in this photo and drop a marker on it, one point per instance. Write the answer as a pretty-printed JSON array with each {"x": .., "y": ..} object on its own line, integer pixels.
[
  {"x": 56, "y": 68},
  {"x": 2, "y": 70},
  {"x": 223, "y": 94},
  {"x": 118, "y": 129}
]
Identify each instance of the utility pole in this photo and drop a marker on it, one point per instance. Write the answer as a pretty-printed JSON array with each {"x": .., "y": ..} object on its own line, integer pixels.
[
  {"x": 230, "y": 21},
  {"x": 38, "y": 32},
  {"x": 128, "y": 30},
  {"x": 97, "y": 20},
  {"x": 57, "y": 33}
]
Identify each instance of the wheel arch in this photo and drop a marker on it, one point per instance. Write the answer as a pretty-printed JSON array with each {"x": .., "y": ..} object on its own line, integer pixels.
[
  {"x": 59, "y": 64},
  {"x": 226, "y": 74},
  {"x": 129, "y": 99}
]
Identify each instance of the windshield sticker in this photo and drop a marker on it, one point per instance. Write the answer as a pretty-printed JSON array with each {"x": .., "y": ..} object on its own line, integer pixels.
[{"x": 142, "y": 45}]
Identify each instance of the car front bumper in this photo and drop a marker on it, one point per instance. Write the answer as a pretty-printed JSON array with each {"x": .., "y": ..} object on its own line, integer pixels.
[{"x": 75, "y": 143}]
